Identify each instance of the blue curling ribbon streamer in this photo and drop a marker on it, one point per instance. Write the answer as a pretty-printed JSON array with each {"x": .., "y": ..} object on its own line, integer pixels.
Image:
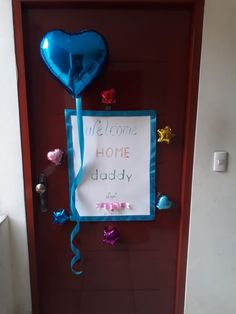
[{"x": 74, "y": 213}]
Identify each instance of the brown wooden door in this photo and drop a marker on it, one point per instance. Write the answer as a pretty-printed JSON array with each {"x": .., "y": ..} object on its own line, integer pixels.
[{"x": 153, "y": 65}]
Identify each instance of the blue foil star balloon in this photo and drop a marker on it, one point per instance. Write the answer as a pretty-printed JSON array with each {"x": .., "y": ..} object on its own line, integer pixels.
[
  {"x": 60, "y": 217},
  {"x": 74, "y": 59}
]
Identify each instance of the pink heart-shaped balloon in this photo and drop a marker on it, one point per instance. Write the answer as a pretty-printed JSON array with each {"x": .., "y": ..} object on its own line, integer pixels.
[{"x": 55, "y": 156}]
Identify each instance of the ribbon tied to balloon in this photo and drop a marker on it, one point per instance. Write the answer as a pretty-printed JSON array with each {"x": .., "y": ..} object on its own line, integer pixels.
[{"x": 75, "y": 60}]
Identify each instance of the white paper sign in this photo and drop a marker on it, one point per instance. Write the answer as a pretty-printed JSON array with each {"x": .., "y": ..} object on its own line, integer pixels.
[{"x": 119, "y": 164}]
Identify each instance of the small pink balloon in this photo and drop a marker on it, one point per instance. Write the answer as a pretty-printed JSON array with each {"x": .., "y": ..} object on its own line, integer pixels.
[{"x": 55, "y": 156}]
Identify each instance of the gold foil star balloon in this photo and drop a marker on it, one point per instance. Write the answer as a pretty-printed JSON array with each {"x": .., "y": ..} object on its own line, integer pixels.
[{"x": 165, "y": 135}]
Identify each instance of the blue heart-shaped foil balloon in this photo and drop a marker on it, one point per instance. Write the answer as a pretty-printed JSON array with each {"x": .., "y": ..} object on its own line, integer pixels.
[
  {"x": 164, "y": 202},
  {"x": 74, "y": 59}
]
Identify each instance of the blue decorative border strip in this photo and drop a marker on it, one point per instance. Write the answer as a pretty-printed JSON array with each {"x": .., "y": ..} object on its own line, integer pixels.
[{"x": 70, "y": 153}]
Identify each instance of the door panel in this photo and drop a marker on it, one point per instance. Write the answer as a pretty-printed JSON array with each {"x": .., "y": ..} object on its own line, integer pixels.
[{"x": 149, "y": 63}]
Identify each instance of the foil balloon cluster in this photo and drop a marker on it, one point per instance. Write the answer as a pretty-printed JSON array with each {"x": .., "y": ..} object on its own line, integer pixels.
[{"x": 75, "y": 60}]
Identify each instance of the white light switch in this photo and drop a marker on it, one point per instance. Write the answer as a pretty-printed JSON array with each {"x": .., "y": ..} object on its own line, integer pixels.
[{"x": 220, "y": 161}]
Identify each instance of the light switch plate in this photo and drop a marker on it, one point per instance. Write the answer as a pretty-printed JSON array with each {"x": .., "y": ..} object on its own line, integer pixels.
[{"x": 220, "y": 161}]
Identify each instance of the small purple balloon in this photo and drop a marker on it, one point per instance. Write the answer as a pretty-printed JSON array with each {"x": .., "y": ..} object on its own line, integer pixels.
[
  {"x": 55, "y": 156},
  {"x": 110, "y": 235}
]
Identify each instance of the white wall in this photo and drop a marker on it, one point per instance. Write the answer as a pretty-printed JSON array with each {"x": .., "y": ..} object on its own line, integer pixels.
[
  {"x": 6, "y": 295},
  {"x": 11, "y": 178},
  {"x": 211, "y": 281}
]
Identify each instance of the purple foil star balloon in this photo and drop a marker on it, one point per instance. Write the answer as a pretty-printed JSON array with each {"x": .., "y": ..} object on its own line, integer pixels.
[{"x": 110, "y": 235}]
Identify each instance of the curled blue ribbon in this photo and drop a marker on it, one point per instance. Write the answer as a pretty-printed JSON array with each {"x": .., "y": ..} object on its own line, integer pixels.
[{"x": 77, "y": 180}]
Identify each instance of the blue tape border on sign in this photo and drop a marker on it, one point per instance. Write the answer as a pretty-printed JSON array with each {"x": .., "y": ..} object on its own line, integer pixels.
[{"x": 152, "y": 114}]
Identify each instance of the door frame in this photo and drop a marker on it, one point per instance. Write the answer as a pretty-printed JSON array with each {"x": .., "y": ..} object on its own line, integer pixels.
[{"x": 197, "y": 9}]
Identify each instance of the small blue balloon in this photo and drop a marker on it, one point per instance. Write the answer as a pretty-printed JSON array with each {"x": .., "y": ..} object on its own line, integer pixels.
[
  {"x": 60, "y": 217},
  {"x": 164, "y": 203},
  {"x": 74, "y": 59}
]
